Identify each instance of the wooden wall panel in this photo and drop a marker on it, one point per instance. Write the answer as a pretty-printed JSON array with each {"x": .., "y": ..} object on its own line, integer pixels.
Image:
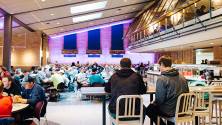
[
  {"x": 217, "y": 53},
  {"x": 25, "y": 50}
]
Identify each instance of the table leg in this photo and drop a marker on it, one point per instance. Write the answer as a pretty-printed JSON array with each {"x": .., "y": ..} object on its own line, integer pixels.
[
  {"x": 104, "y": 109},
  {"x": 151, "y": 99}
]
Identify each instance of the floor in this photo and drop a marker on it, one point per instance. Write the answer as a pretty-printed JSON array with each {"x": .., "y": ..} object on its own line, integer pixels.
[{"x": 71, "y": 110}]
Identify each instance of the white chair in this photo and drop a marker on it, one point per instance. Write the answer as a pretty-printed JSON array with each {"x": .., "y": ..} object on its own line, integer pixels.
[
  {"x": 185, "y": 108},
  {"x": 204, "y": 106},
  {"x": 217, "y": 101},
  {"x": 129, "y": 111}
]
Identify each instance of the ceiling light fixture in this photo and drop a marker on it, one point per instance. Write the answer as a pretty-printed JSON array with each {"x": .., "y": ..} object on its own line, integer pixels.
[
  {"x": 87, "y": 17},
  {"x": 211, "y": 43},
  {"x": 43, "y": 0},
  {"x": 52, "y": 14},
  {"x": 88, "y": 7}
]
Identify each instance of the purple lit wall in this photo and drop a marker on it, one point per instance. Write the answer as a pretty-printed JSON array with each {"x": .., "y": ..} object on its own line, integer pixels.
[{"x": 56, "y": 46}]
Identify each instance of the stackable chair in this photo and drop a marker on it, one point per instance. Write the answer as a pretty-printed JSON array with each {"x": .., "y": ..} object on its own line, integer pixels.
[
  {"x": 185, "y": 108},
  {"x": 129, "y": 117}
]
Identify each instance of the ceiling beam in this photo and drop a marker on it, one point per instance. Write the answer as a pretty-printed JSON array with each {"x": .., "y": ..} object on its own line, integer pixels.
[
  {"x": 89, "y": 21},
  {"x": 17, "y": 21},
  {"x": 87, "y": 13},
  {"x": 23, "y": 25},
  {"x": 85, "y": 27}
]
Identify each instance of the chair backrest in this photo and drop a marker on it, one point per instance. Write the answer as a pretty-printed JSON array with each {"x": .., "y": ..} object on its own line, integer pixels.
[
  {"x": 186, "y": 104},
  {"x": 38, "y": 109},
  {"x": 129, "y": 107},
  {"x": 44, "y": 108},
  {"x": 203, "y": 101},
  {"x": 7, "y": 120}
]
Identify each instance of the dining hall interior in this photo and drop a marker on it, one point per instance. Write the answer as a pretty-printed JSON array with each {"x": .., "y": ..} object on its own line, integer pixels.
[{"x": 110, "y": 62}]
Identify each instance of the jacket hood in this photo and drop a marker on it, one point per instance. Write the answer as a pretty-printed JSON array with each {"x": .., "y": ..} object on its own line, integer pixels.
[
  {"x": 171, "y": 72},
  {"x": 125, "y": 72}
]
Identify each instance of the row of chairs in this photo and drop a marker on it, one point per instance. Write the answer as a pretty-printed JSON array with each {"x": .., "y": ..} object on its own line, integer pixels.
[{"x": 189, "y": 106}]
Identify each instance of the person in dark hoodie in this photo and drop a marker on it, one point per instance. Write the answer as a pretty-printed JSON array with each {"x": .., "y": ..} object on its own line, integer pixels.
[
  {"x": 168, "y": 87},
  {"x": 124, "y": 82}
]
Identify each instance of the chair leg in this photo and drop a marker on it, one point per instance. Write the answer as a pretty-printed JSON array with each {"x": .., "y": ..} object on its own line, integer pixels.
[
  {"x": 210, "y": 120},
  {"x": 158, "y": 120},
  {"x": 219, "y": 102},
  {"x": 46, "y": 120},
  {"x": 216, "y": 111}
]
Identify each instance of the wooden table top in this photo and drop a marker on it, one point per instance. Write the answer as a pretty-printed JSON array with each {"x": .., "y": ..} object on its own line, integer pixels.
[{"x": 211, "y": 89}]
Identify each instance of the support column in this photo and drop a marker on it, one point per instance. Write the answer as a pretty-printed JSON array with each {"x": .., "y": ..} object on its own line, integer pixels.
[{"x": 7, "y": 41}]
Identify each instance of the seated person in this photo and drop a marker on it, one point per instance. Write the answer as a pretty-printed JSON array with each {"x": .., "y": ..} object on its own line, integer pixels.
[
  {"x": 5, "y": 103},
  {"x": 168, "y": 88},
  {"x": 10, "y": 87},
  {"x": 57, "y": 80},
  {"x": 95, "y": 78},
  {"x": 81, "y": 79},
  {"x": 3, "y": 72},
  {"x": 201, "y": 11},
  {"x": 124, "y": 82},
  {"x": 31, "y": 94}
]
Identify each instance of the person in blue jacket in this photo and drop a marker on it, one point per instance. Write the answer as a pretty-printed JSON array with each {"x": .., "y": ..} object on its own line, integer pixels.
[
  {"x": 95, "y": 78},
  {"x": 31, "y": 94}
]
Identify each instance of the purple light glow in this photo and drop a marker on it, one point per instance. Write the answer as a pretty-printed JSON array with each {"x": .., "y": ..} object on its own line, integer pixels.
[
  {"x": 56, "y": 46},
  {"x": 91, "y": 28}
]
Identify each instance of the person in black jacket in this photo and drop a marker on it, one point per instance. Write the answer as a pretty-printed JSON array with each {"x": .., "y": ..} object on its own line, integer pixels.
[
  {"x": 168, "y": 87},
  {"x": 124, "y": 82},
  {"x": 10, "y": 87}
]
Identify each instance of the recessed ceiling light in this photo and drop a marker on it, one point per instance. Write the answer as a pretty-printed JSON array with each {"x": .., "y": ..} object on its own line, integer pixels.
[
  {"x": 57, "y": 23},
  {"x": 87, "y": 17},
  {"x": 43, "y": 0},
  {"x": 52, "y": 14},
  {"x": 88, "y": 7},
  {"x": 211, "y": 43}
]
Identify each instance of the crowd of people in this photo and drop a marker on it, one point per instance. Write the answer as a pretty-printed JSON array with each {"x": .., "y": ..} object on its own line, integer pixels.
[{"x": 29, "y": 87}]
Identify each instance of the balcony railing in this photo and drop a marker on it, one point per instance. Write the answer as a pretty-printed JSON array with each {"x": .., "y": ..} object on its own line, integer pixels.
[{"x": 186, "y": 16}]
